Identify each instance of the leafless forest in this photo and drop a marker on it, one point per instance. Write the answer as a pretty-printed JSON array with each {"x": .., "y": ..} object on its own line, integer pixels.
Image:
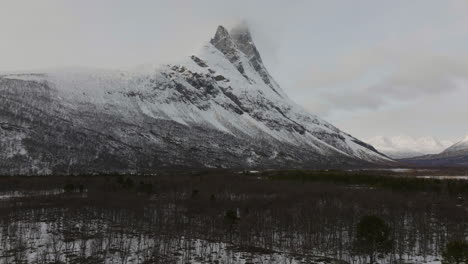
[{"x": 224, "y": 217}]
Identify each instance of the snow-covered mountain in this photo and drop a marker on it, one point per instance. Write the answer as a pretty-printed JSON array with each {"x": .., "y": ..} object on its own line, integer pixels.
[
  {"x": 400, "y": 147},
  {"x": 217, "y": 108},
  {"x": 454, "y": 155},
  {"x": 459, "y": 147}
]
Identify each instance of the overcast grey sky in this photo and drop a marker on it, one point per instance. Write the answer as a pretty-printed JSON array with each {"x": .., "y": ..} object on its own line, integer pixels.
[{"x": 369, "y": 67}]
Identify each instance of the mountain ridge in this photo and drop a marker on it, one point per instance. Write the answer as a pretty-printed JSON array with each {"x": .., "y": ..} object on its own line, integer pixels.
[
  {"x": 454, "y": 155},
  {"x": 460, "y": 146},
  {"x": 217, "y": 108},
  {"x": 402, "y": 146}
]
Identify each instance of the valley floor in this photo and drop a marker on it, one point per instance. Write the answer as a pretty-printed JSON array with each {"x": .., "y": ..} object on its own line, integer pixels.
[{"x": 220, "y": 216}]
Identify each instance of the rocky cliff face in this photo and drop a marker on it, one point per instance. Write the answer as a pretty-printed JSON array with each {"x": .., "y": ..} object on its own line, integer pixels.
[{"x": 218, "y": 108}]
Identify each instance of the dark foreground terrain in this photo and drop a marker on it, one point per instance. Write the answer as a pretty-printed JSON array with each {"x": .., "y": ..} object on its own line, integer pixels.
[{"x": 229, "y": 217}]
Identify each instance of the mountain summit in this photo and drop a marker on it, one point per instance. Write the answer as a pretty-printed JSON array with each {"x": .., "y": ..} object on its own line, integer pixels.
[
  {"x": 217, "y": 108},
  {"x": 241, "y": 36}
]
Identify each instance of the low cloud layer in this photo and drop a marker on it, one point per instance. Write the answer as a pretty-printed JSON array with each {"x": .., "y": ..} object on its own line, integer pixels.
[{"x": 408, "y": 81}]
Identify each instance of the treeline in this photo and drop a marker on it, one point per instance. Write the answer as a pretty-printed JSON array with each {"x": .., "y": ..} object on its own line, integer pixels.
[{"x": 394, "y": 181}]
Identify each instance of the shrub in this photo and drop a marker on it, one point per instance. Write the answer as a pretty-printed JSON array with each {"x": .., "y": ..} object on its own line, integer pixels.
[
  {"x": 456, "y": 252},
  {"x": 69, "y": 187},
  {"x": 372, "y": 237}
]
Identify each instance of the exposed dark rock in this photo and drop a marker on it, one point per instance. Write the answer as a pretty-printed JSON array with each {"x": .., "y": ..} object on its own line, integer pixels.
[
  {"x": 198, "y": 61},
  {"x": 224, "y": 43},
  {"x": 243, "y": 40},
  {"x": 219, "y": 78}
]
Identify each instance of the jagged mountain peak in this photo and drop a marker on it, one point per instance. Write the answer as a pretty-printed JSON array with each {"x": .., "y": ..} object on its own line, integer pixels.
[
  {"x": 217, "y": 108},
  {"x": 241, "y": 27},
  {"x": 239, "y": 40},
  {"x": 240, "y": 33},
  {"x": 221, "y": 33},
  {"x": 224, "y": 43},
  {"x": 243, "y": 39}
]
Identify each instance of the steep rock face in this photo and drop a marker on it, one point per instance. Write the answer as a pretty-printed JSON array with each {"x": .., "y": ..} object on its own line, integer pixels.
[{"x": 218, "y": 108}]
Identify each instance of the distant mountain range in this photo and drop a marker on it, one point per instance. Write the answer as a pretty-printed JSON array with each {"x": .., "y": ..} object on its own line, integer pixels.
[
  {"x": 400, "y": 147},
  {"x": 455, "y": 155},
  {"x": 219, "y": 108}
]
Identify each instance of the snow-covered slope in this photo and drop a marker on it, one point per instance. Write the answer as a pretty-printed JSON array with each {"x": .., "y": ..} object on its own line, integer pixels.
[
  {"x": 399, "y": 147},
  {"x": 459, "y": 147},
  {"x": 454, "y": 155},
  {"x": 217, "y": 108}
]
